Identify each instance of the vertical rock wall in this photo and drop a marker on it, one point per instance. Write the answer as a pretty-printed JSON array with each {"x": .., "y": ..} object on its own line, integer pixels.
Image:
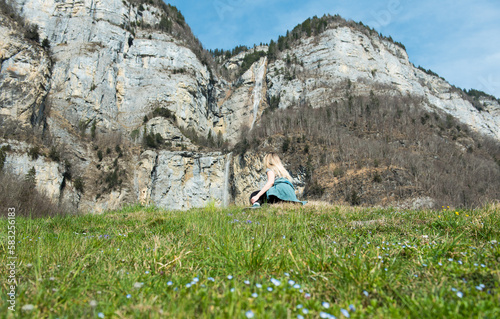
[{"x": 181, "y": 180}]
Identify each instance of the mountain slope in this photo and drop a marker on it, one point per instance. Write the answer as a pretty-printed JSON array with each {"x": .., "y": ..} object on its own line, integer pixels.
[{"x": 124, "y": 105}]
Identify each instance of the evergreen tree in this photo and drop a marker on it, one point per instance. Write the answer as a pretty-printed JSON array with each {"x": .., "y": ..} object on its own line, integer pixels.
[
  {"x": 30, "y": 178},
  {"x": 271, "y": 53}
]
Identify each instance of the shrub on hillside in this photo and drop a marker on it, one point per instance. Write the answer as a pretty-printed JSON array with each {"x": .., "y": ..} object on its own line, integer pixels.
[
  {"x": 163, "y": 112},
  {"x": 46, "y": 44},
  {"x": 153, "y": 140},
  {"x": 31, "y": 33},
  {"x": 250, "y": 59},
  {"x": 54, "y": 154},
  {"x": 34, "y": 152},
  {"x": 3, "y": 155},
  {"x": 79, "y": 184},
  {"x": 314, "y": 190}
]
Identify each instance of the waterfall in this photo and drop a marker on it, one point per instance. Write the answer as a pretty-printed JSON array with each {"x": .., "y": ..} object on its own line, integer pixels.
[
  {"x": 259, "y": 74},
  {"x": 225, "y": 191}
]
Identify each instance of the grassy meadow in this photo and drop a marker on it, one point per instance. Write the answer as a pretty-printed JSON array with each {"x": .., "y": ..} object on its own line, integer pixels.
[{"x": 275, "y": 262}]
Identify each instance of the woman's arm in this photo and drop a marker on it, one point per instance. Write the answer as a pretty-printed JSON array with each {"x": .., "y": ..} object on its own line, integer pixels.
[{"x": 269, "y": 184}]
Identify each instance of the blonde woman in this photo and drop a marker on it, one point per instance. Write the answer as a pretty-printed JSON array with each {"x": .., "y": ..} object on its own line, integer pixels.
[{"x": 278, "y": 187}]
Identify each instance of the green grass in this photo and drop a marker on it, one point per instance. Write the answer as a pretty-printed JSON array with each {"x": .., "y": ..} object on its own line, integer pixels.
[{"x": 146, "y": 262}]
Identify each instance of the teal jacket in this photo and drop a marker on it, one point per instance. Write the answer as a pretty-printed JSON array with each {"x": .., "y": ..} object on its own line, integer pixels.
[{"x": 284, "y": 190}]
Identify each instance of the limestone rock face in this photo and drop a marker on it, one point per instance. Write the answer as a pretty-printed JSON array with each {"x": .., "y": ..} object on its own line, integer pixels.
[
  {"x": 48, "y": 174},
  {"x": 106, "y": 74},
  {"x": 244, "y": 103},
  {"x": 111, "y": 75},
  {"x": 24, "y": 76},
  {"x": 369, "y": 62},
  {"x": 181, "y": 180},
  {"x": 168, "y": 131},
  {"x": 249, "y": 176}
]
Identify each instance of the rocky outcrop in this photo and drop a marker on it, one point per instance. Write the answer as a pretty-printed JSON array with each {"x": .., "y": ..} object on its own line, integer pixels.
[
  {"x": 105, "y": 73},
  {"x": 249, "y": 176},
  {"x": 49, "y": 176},
  {"x": 245, "y": 102},
  {"x": 25, "y": 74},
  {"x": 319, "y": 64},
  {"x": 181, "y": 180}
]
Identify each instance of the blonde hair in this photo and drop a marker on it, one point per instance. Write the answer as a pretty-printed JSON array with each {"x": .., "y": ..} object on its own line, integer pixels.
[{"x": 273, "y": 162}]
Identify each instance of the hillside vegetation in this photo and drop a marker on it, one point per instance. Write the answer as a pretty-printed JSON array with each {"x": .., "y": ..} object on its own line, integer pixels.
[
  {"x": 277, "y": 262},
  {"x": 380, "y": 149}
]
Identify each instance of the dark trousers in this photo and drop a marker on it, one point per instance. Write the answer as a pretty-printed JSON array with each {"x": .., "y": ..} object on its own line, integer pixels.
[{"x": 263, "y": 199}]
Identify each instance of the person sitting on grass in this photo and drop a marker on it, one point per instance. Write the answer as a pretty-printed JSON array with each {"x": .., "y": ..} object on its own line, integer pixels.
[{"x": 278, "y": 188}]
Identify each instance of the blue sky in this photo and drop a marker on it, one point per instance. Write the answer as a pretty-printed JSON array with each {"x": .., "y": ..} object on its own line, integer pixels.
[{"x": 459, "y": 40}]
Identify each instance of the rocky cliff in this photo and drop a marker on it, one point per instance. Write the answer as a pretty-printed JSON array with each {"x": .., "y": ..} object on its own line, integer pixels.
[
  {"x": 121, "y": 93},
  {"x": 320, "y": 63}
]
